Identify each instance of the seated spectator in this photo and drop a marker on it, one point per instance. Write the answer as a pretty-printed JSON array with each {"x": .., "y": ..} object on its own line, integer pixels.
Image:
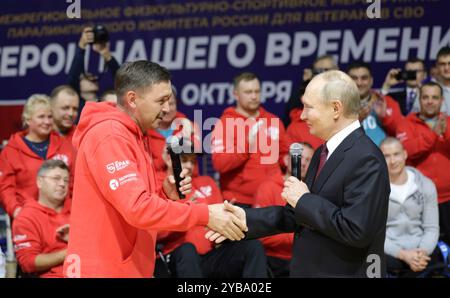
[
  {"x": 443, "y": 77},
  {"x": 84, "y": 83},
  {"x": 374, "y": 106},
  {"x": 248, "y": 143},
  {"x": 412, "y": 228},
  {"x": 192, "y": 255},
  {"x": 426, "y": 138},
  {"x": 409, "y": 96},
  {"x": 173, "y": 123},
  {"x": 109, "y": 96},
  {"x": 279, "y": 247},
  {"x": 25, "y": 152},
  {"x": 65, "y": 103},
  {"x": 320, "y": 64},
  {"x": 41, "y": 231}
]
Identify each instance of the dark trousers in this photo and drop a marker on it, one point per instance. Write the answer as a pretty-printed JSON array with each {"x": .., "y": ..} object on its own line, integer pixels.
[
  {"x": 401, "y": 269},
  {"x": 238, "y": 259},
  {"x": 444, "y": 221},
  {"x": 278, "y": 267}
]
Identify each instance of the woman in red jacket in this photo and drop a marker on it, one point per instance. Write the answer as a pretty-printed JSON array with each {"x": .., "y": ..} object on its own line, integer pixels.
[{"x": 25, "y": 153}]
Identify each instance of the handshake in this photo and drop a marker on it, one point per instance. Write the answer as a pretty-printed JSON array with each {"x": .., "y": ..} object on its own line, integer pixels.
[{"x": 226, "y": 221}]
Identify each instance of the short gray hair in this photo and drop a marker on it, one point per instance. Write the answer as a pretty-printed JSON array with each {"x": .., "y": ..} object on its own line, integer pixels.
[
  {"x": 138, "y": 75},
  {"x": 391, "y": 140},
  {"x": 339, "y": 86},
  {"x": 51, "y": 164}
]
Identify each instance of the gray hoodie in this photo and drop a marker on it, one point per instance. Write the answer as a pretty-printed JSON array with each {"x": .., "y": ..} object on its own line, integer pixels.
[{"x": 415, "y": 222}]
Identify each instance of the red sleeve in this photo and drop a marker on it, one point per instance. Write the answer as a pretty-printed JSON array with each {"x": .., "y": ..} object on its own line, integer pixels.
[
  {"x": 393, "y": 116},
  {"x": 285, "y": 142},
  {"x": 278, "y": 242},
  {"x": 139, "y": 207},
  {"x": 8, "y": 198},
  {"x": 416, "y": 139},
  {"x": 27, "y": 243},
  {"x": 224, "y": 147},
  {"x": 264, "y": 195}
]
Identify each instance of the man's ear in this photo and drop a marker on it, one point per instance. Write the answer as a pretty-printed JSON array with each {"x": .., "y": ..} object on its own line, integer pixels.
[
  {"x": 130, "y": 98},
  {"x": 338, "y": 108},
  {"x": 39, "y": 182}
]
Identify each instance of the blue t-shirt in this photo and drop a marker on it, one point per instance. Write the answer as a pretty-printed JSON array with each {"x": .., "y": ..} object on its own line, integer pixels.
[
  {"x": 372, "y": 127},
  {"x": 40, "y": 148},
  {"x": 166, "y": 132}
]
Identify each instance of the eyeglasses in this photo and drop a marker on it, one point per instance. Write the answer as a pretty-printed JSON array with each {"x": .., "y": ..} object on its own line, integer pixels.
[{"x": 56, "y": 179}]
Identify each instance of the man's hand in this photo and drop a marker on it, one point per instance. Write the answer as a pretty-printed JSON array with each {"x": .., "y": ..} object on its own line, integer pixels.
[
  {"x": 170, "y": 187},
  {"x": 63, "y": 233},
  {"x": 87, "y": 37},
  {"x": 441, "y": 124},
  {"x": 415, "y": 258},
  {"x": 307, "y": 74},
  {"x": 103, "y": 50},
  {"x": 226, "y": 222},
  {"x": 391, "y": 80},
  {"x": 293, "y": 190},
  {"x": 380, "y": 107}
]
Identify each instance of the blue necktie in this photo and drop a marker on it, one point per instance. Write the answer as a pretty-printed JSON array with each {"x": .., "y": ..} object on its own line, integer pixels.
[{"x": 410, "y": 100}]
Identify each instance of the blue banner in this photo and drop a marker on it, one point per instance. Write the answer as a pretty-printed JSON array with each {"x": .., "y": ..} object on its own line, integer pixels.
[{"x": 206, "y": 43}]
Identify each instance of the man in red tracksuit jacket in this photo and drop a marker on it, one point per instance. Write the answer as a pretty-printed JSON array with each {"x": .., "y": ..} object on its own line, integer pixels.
[
  {"x": 279, "y": 247},
  {"x": 426, "y": 138},
  {"x": 40, "y": 231},
  {"x": 65, "y": 103},
  {"x": 117, "y": 208},
  {"x": 248, "y": 143},
  {"x": 19, "y": 165},
  {"x": 194, "y": 256}
]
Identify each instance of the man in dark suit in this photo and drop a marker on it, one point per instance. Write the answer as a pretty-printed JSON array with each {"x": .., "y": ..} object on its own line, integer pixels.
[
  {"x": 339, "y": 213},
  {"x": 408, "y": 98}
]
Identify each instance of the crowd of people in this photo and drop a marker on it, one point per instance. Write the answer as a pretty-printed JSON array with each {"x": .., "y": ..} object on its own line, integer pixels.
[{"x": 38, "y": 176}]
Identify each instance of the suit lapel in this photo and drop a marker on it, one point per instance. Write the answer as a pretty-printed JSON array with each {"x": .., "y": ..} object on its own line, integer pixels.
[
  {"x": 312, "y": 169},
  {"x": 335, "y": 159}
]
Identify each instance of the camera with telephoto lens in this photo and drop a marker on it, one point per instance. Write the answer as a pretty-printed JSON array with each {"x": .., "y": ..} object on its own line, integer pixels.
[
  {"x": 101, "y": 35},
  {"x": 406, "y": 75}
]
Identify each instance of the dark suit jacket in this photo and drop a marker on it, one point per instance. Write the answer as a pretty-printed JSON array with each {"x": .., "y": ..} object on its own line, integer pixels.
[
  {"x": 400, "y": 97},
  {"x": 342, "y": 221}
]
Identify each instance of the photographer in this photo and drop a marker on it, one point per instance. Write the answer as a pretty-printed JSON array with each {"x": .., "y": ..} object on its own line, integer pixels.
[
  {"x": 85, "y": 83},
  {"x": 413, "y": 75}
]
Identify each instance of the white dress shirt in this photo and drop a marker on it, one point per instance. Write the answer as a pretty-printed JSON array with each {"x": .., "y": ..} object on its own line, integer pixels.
[{"x": 337, "y": 139}]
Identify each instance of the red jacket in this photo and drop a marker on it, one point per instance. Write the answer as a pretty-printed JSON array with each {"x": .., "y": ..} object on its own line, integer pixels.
[
  {"x": 117, "y": 209},
  {"x": 158, "y": 142},
  {"x": 269, "y": 194},
  {"x": 69, "y": 134},
  {"x": 204, "y": 190},
  {"x": 298, "y": 130},
  {"x": 19, "y": 166},
  {"x": 393, "y": 116},
  {"x": 34, "y": 233},
  {"x": 427, "y": 151},
  {"x": 241, "y": 168}
]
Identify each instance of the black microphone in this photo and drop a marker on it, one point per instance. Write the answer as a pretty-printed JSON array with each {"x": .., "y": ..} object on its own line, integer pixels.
[
  {"x": 295, "y": 151},
  {"x": 175, "y": 149}
]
